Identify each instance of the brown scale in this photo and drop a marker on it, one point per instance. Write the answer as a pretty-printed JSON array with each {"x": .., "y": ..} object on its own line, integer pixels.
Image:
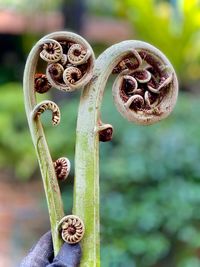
[
  {"x": 126, "y": 63},
  {"x": 163, "y": 92},
  {"x": 137, "y": 104},
  {"x": 139, "y": 91},
  {"x": 140, "y": 74},
  {"x": 153, "y": 82},
  {"x": 41, "y": 83},
  {"x": 152, "y": 61},
  {"x": 126, "y": 89},
  {"x": 142, "y": 88},
  {"x": 83, "y": 67},
  {"x": 129, "y": 86},
  {"x": 152, "y": 96},
  {"x": 65, "y": 46},
  {"x": 131, "y": 63},
  {"x": 152, "y": 71},
  {"x": 106, "y": 134}
]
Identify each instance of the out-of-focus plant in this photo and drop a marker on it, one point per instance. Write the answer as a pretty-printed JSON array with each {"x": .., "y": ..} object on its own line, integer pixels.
[
  {"x": 16, "y": 151},
  {"x": 173, "y": 26},
  {"x": 25, "y": 5},
  {"x": 150, "y": 188},
  {"x": 101, "y": 8}
]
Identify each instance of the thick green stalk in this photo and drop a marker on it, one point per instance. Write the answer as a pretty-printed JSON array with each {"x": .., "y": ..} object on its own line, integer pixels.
[
  {"x": 86, "y": 187},
  {"x": 51, "y": 187}
]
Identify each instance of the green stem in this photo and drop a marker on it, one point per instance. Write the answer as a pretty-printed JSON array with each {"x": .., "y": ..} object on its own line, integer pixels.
[
  {"x": 51, "y": 187},
  {"x": 86, "y": 188}
]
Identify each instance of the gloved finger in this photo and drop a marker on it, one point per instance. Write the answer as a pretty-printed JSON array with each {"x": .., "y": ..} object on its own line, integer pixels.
[
  {"x": 68, "y": 256},
  {"x": 41, "y": 254}
]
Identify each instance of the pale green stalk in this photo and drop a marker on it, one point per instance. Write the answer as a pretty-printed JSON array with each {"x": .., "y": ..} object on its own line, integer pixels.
[
  {"x": 51, "y": 187},
  {"x": 86, "y": 187}
]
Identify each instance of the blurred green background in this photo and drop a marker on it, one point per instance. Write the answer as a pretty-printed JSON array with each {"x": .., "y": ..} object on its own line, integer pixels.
[{"x": 149, "y": 176}]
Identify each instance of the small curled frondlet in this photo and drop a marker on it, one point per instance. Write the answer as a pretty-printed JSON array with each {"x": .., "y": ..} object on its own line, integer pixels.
[
  {"x": 48, "y": 105},
  {"x": 72, "y": 229},
  {"x": 71, "y": 75},
  {"x": 51, "y": 52},
  {"x": 77, "y": 54},
  {"x": 42, "y": 85},
  {"x": 62, "y": 168},
  {"x": 56, "y": 71}
]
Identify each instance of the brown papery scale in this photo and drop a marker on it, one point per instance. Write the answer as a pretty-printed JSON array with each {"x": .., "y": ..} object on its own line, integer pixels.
[
  {"x": 65, "y": 46},
  {"x": 42, "y": 85},
  {"x": 106, "y": 134},
  {"x": 129, "y": 85},
  {"x": 132, "y": 62}
]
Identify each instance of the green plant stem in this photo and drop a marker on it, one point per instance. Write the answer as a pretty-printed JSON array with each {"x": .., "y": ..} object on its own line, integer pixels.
[
  {"x": 86, "y": 187},
  {"x": 51, "y": 187}
]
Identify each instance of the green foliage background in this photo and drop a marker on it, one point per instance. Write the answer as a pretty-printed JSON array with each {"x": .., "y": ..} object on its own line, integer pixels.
[
  {"x": 173, "y": 26},
  {"x": 150, "y": 190}
]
